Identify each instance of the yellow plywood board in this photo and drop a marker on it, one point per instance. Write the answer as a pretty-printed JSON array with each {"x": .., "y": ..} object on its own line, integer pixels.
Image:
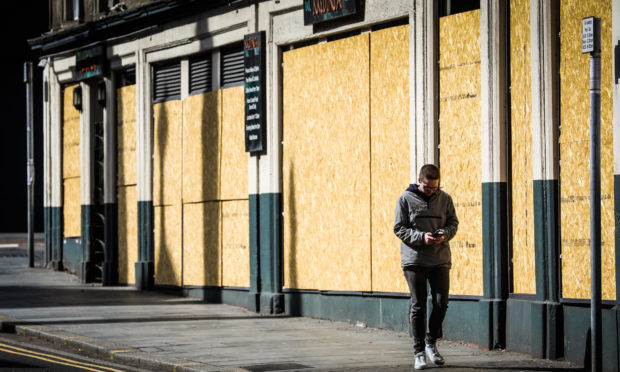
[
  {"x": 126, "y": 133},
  {"x": 235, "y": 243},
  {"x": 574, "y": 152},
  {"x": 167, "y": 153},
  {"x": 389, "y": 102},
  {"x": 234, "y": 171},
  {"x": 523, "y": 253},
  {"x": 326, "y": 166},
  {"x": 70, "y": 136},
  {"x": 168, "y": 252},
  {"x": 202, "y": 244},
  {"x": 460, "y": 155},
  {"x": 72, "y": 209},
  {"x": 127, "y": 234},
  {"x": 201, "y": 148}
]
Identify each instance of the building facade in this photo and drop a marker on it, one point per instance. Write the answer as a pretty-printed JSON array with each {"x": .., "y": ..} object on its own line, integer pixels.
[{"x": 148, "y": 181}]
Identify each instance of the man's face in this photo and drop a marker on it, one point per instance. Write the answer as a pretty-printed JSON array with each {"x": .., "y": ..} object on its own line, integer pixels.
[{"x": 428, "y": 187}]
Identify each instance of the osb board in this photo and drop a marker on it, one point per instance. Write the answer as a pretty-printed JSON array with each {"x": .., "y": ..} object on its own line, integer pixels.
[
  {"x": 70, "y": 136},
  {"x": 201, "y": 149},
  {"x": 389, "y": 123},
  {"x": 326, "y": 166},
  {"x": 235, "y": 243},
  {"x": 72, "y": 209},
  {"x": 168, "y": 250},
  {"x": 126, "y": 133},
  {"x": 167, "y": 153},
  {"x": 460, "y": 139},
  {"x": 202, "y": 244},
  {"x": 234, "y": 171},
  {"x": 574, "y": 152},
  {"x": 127, "y": 234},
  {"x": 523, "y": 253}
]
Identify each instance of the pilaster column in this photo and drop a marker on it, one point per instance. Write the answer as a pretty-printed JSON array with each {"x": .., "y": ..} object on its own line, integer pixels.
[
  {"x": 55, "y": 155},
  {"x": 494, "y": 192},
  {"x": 545, "y": 116},
  {"x": 87, "y": 134},
  {"x": 110, "y": 260},
  {"x": 145, "y": 267},
  {"x": 424, "y": 55}
]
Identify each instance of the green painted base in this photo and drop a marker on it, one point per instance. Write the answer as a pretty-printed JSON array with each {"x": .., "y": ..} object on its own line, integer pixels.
[
  {"x": 524, "y": 326},
  {"x": 373, "y": 310},
  {"x": 145, "y": 267},
  {"x": 495, "y": 265},
  {"x": 218, "y": 295},
  {"x": 72, "y": 256},
  {"x": 110, "y": 260},
  {"x": 56, "y": 243},
  {"x": 462, "y": 321},
  {"x": 47, "y": 233},
  {"x": 145, "y": 275},
  {"x": 617, "y": 235},
  {"x": 576, "y": 328}
]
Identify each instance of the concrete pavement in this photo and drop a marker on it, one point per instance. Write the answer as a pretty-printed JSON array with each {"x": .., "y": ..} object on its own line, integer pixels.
[{"x": 164, "y": 332}]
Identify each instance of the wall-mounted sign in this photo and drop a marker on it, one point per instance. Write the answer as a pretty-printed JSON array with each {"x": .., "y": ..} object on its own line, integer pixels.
[
  {"x": 254, "y": 77},
  {"x": 316, "y": 11},
  {"x": 90, "y": 62},
  {"x": 590, "y": 29}
]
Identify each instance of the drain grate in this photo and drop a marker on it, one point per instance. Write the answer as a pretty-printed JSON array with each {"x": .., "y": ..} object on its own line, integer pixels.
[{"x": 275, "y": 367}]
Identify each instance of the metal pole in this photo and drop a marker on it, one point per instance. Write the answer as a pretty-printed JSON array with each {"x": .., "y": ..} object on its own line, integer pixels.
[
  {"x": 30, "y": 160},
  {"x": 595, "y": 208}
]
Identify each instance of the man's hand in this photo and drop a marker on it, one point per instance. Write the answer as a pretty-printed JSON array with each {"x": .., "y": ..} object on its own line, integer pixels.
[{"x": 429, "y": 240}]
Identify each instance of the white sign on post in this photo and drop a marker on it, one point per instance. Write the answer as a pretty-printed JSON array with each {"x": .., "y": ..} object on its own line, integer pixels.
[
  {"x": 590, "y": 29},
  {"x": 587, "y": 35}
]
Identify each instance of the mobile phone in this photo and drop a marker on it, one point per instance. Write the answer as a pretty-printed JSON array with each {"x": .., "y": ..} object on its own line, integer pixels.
[{"x": 437, "y": 234}]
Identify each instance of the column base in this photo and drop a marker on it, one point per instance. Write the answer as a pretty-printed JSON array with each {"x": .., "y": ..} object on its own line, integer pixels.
[
  {"x": 492, "y": 323},
  {"x": 109, "y": 276},
  {"x": 58, "y": 266},
  {"x": 271, "y": 303},
  {"x": 88, "y": 272},
  {"x": 254, "y": 301},
  {"x": 145, "y": 275}
]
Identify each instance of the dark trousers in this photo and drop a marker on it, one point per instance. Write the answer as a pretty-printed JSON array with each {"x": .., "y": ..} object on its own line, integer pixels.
[{"x": 439, "y": 282}]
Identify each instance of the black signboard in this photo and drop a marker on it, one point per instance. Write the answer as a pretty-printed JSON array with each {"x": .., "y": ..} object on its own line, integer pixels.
[
  {"x": 254, "y": 77},
  {"x": 316, "y": 11},
  {"x": 90, "y": 62}
]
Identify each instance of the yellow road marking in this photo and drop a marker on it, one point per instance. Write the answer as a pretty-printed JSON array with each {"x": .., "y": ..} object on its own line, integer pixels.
[
  {"x": 174, "y": 369},
  {"x": 120, "y": 351},
  {"x": 45, "y": 357},
  {"x": 25, "y": 328}
]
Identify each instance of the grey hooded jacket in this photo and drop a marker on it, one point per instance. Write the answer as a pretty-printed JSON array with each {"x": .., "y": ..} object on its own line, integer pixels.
[{"x": 414, "y": 218}]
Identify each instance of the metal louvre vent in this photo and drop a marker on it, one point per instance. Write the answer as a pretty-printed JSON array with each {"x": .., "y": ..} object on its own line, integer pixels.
[
  {"x": 232, "y": 65},
  {"x": 126, "y": 77},
  {"x": 167, "y": 82},
  {"x": 200, "y": 74}
]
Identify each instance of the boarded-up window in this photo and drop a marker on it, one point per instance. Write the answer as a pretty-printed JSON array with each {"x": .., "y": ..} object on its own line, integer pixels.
[{"x": 167, "y": 81}]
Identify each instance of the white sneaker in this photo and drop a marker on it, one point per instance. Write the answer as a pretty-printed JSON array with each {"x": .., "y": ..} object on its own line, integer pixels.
[
  {"x": 433, "y": 355},
  {"x": 420, "y": 361}
]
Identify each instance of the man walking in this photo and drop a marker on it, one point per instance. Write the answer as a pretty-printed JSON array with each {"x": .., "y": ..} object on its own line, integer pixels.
[{"x": 425, "y": 222}]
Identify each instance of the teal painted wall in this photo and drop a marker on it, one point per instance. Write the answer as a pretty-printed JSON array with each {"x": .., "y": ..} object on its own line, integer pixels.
[
  {"x": 72, "y": 255},
  {"x": 576, "y": 330},
  {"x": 145, "y": 267}
]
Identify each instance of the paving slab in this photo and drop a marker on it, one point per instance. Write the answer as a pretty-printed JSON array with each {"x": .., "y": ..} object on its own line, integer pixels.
[{"x": 160, "y": 331}]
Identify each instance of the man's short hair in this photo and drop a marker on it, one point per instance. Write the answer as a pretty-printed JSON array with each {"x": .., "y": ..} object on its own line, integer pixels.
[{"x": 429, "y": 172}]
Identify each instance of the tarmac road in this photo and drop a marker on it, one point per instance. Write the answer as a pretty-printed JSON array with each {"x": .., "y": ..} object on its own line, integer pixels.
[{"x": 26, "y": 354}]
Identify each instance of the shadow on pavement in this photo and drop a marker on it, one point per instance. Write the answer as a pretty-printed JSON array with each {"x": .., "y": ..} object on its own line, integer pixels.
[{"x": 35, "y": 296}]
